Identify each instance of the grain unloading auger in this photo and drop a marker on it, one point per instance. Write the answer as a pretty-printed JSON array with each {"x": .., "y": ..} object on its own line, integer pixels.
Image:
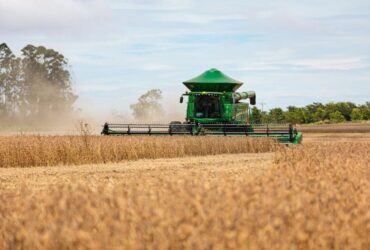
[{"x": 214, "y": 108}]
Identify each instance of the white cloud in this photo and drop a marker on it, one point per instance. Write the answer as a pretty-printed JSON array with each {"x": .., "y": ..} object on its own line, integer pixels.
[
  {"x": 322, "y": 63},
  {"x": 333, "y": 63},
  {"x": 151, "y": 5},
  {"x": 50, "y": 16}
]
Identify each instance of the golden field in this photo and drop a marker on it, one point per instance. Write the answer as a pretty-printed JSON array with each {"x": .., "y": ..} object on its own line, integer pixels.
[
  {"x": 28, "y": 151},
  {"x": 311, "y": 196}
]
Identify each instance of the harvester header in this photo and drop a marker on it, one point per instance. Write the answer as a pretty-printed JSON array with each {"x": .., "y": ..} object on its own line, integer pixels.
[{"x": 213, "y": 108}]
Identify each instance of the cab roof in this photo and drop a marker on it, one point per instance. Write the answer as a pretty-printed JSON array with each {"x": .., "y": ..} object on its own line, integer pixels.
[{"x": 213, "y": 80}]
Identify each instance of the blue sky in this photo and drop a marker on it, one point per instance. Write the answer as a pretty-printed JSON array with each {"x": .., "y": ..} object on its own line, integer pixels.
[{"x": 289, "y": 52}]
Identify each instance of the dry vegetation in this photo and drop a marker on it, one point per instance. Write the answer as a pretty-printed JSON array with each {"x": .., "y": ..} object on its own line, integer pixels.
[
  {"x": 313, "y": 196},
  {"x": 363, "y": 127},
  {"x": 333, "y": 137},
  {"x": 26, "y": 151}
]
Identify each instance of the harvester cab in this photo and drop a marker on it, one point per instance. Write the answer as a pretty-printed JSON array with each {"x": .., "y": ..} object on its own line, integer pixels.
[
  {"x": 213, "y": 108},
  {"x": 213, "y": 99}
]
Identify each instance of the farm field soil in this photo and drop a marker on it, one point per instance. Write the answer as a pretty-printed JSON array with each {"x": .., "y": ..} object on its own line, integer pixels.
[
  {"x": 311, "y": 196},
  {"x": 363, "y": 127},
  {"x": 336, "y": 137},
  {"x": 40, "y": 178}
]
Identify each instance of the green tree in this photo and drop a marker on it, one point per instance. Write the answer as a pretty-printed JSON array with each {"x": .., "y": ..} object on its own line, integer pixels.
[
  {"x": 365, "y": 111},
  {"x": 47, "y": 80},
  {"x": 294, "y": 115},
  {"x": 308, "y": 116},
  {"x": 312, "y": 108},
  {"x": 345, "y": 108},
  {"x": 330, "y": 108},
  {"x": 356, "y": 114},
  {"x": 276, "y": 115},
  {"x": 257, "y": 115},
  {"x": 265, "y": 117},
  {"x": 337, "y": 117},
  {"x": 319, "y": 115},
  {"x": 10, "y": 82},
  {"x": 148, "y": 107}
]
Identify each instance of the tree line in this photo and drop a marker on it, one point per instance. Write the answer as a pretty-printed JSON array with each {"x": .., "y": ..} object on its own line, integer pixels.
[
  {"x": 332, "y": 112},
  {"x": 35, "y": 87}
]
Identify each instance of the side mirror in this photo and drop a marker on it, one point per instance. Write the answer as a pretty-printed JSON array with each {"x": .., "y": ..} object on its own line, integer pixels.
[{"x": 181, "y": 99}]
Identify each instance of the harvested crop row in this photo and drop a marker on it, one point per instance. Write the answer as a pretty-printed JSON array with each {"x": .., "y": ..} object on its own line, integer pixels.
[
  {"x": 27, "y": 151},
  {"x": 312, "y": 197},
  {"x": 336, "y": 128}
]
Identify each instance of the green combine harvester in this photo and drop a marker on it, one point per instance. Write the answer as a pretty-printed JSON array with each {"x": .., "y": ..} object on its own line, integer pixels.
[{"x": 213, "y": 108}]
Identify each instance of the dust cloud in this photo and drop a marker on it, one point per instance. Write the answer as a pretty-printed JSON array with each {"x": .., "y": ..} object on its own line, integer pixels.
[{"x": 72, "y": 122}]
